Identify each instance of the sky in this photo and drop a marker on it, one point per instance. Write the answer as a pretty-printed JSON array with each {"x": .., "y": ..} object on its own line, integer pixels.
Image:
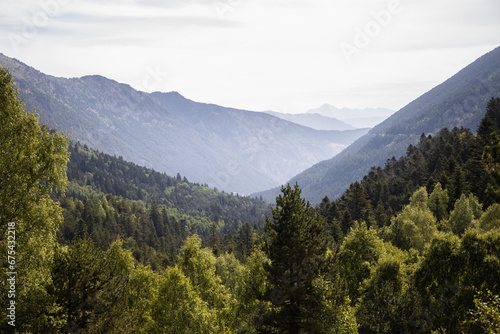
[{"x": 287, "y": 56}]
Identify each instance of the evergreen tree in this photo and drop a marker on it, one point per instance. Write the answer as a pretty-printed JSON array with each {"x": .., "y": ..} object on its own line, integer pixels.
[
  {"x": 297, "y": 249},
  {"x": 357, "y": 204},
  {"x": 489, "y": 137},
  {"x": 88, "y": 286},
  {"x": 245, "y": 240},
  {"x": 157, "y": 219},
  {"x": 491, "y": 158}
]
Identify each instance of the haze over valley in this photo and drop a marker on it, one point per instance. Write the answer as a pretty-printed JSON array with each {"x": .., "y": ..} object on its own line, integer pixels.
[{"x": 250, "y": 167}]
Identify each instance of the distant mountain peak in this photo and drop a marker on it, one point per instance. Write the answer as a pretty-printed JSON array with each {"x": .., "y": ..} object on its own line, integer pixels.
[
  {"x": 459, "y": 101},
  {"x": 234, "y": 150},
  {"x": 314, "y": 121},
  {"x": 360, "y": 118}
]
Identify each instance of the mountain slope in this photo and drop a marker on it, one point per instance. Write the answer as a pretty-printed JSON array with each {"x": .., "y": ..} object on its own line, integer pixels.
[
  {"x": 315, "y": 121},
  {"x": 233, "y": 150},
  {"x": 458, "y": 102},
  {"x": 93, "y": 174}
]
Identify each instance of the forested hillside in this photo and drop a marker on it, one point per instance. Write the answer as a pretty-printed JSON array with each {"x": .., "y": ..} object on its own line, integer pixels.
[
  {"x": 412, "y": 248},
  {"x": 419, "y": 238},
  {"x": 234, "y": 150},
  {"x": 108, "y": 198},
  {"x": 460, "y": 101},
  {"x": 452, "y": 160}
]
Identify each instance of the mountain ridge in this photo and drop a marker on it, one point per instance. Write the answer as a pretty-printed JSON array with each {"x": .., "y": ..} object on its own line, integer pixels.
[
  {"x": 360, "y": 118},
  {"x": 231, "y": 149},
  {"x": 459, "y": 101},
  {"x": 315, "y": 121}
]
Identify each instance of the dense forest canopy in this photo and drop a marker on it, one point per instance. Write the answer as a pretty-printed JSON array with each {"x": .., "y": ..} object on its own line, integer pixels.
[
  {"x": 105, "y": 246},
  {"x": 150, "y": 211}
]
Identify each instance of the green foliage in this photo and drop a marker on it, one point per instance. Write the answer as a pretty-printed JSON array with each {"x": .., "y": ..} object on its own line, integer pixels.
[
  {"x": 415, "y": 226},
  {"x": 491, "y": 158},
  {"x": 359, "y": 253},
  {"x": 452, "y": 159},
  {"x": 431, "y": 288},
  {"x": 487, "y": 312},
  {"x": 489, "y": 134},
  {"x": 384, "y": 298},
  {"x": 199, "y": 266},
  {"x": 377, "y": 275},
  {"x": 180, "y": 309},
  {"x": 491, "y": 218},
  {"x": 231, "y": 272},
  {"x": 153, "y": 237},
  {"x": 462, "y": 217},
  {"x": 89, "y": 285},
  {"x": 301, "y": 269},
  {"x": 356, "y": 203},
  {"x": 251, "y": 306},
  {"x": 107, "y": 174},
  {"x": 438, "y": 202},
  {"x": 141, "y": 293},
  {"x": 448, "y": 275},
  {"x": 32, "y": 166},
  {"x": 152, "y": 212},
  {"x": 130, "y": 261},
  {"x": 436, "y": 283}
]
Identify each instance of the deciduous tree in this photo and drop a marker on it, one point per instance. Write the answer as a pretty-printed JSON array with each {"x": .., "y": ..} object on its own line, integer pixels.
[{"x": 32, "y": 166}]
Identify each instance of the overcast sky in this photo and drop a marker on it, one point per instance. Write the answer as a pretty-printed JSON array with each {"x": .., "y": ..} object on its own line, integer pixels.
[{"x": 288, "y": 56}]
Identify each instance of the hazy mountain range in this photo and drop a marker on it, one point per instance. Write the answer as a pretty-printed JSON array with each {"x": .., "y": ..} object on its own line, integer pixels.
[
  {"x": 244, "y": 151},
  {"x": 315, "y": 121},
  {"x": 359, "y": 118},
  {"x": 328, "y": 117},
  {"x": 460, "y": 101},
  {"x": 233, "y": 150}
]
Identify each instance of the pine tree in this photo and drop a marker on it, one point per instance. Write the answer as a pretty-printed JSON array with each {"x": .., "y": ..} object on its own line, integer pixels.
[
  {"x": 489, "y": 135},
  {"x": 297, "y": 248},
  {"x": 357, "y": 203},
  {"x": 157, "y": 219}
]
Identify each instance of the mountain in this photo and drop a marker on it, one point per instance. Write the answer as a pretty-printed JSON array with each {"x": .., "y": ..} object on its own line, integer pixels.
[
  {"x": 233, "y": 150},
  {"x": 460, "y": 101},
  {"x": 360, "y": 118},
  {"x": 110, "y": 198},
  {"x": 315, "y": 121}
]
